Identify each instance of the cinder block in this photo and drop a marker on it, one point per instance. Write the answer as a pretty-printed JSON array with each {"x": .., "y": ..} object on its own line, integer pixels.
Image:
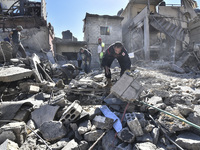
[
  {"x": 127, "y": 88},
  {"x": 72, "y": 112},
  {"x": 134, "y": 124}
]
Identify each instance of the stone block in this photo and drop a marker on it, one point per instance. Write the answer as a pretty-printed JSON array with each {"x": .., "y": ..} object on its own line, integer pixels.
[
  {"x": 53, "y": 130},
  {"x": 145, "y": 146},
  {"x": 14, "y": 74},
  {"x": 155, "y": 100},
  {"x": 72, "y": 112},
  {"x": 102, "y": 122},
  {"x": 9, "y": 145},
  {"x": 109, "y": 141},
  {"x": 40, "y": 115},
  {"x": 127, "y": 88},
  {"x": 34, "y": 89},
  {"x": 84, "y": 127},
  {"x": 134, "y": 124},
  {"x": 188, "y": 141},
  {"x": 126, "y": 135},
  {"x": 184, "y": 109},
  {"x": 19, "y": 130},
  {"x": 72, "y": 145},
  {"x": 93, "y": 135}
]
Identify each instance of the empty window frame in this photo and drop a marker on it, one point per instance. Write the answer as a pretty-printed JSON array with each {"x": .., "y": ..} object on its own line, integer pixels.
[{"x": 104, "y": 30}]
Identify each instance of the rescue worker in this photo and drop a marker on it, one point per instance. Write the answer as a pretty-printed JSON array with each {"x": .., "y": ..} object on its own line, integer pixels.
[
  {"x": 16, "y": 42},
  {"x": 117, "y": 51},
  {"x": 100, "y": 50},
  {"x": 86, "y": 59}
]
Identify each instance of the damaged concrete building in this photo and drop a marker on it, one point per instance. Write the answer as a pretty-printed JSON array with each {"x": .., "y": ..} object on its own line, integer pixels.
[
  {"x": 66, "y": 49},
  {"x": 156, "y": 31},
  {"x": 33, "y": 18},
  {"x": 104, "y": 26}
]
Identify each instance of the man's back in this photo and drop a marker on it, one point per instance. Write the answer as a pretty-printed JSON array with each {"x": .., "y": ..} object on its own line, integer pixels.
[{"x": 16, "y": 36}]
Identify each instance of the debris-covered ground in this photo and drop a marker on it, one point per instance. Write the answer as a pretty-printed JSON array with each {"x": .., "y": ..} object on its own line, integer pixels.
[{"x": 38, "y": 111}]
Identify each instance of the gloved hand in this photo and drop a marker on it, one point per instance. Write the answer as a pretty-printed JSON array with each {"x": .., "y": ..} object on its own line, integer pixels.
[{"x": 128, "y": 72}]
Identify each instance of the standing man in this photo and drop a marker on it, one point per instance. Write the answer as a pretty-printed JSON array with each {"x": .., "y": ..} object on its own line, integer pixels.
[
  {"x": 79, "y": 58},
  {"x": 16, "y": 42},
  {"x": 100, "y": 50},
  {"x": 89, "y": 57},
  {"x": 86, "y": 58},
  {"x": 117, "y": 51}
]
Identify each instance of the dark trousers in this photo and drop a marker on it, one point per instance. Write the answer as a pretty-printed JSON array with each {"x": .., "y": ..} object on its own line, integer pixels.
[
  {"x": 79, "y": 63},
  {"x": 18, "y": 47},
  {"x": 121, "y": 63}
]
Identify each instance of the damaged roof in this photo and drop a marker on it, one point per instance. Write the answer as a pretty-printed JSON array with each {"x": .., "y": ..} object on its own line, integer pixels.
[
  {"x": 152, "y": 2},
  {"x": 102, "y": 16}
]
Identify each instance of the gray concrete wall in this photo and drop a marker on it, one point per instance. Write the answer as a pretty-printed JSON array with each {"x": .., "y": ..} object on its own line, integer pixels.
[{"x": 92, "y": 33}]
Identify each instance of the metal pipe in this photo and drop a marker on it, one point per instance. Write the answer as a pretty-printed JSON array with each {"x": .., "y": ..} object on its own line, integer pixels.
[{"x": 183, "y": 120}]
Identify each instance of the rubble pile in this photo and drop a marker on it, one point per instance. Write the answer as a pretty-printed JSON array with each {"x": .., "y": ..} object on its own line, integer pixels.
[{"x": 38, "y": 113}]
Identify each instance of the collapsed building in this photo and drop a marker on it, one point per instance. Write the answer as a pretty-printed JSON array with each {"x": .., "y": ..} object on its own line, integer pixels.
[{"x": 32, "y": 16}]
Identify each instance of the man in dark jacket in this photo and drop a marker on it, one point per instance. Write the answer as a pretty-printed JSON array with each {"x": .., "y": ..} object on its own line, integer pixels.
[
  {"x": 86, "y": 59},
  {"x": 117, "y": 51}
]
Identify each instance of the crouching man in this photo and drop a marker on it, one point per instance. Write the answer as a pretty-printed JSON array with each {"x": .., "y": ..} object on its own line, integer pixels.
[{"x": 117, "y": 51}]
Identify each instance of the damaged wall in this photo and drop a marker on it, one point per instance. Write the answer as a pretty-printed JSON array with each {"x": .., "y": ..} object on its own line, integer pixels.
[{"x": 92, "y": 31}]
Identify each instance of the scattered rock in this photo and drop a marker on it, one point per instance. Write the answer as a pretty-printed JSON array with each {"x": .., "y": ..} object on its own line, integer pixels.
[{"x": 126, "y": 136}]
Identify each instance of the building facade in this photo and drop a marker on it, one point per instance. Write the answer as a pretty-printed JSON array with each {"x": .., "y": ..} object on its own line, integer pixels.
[{"x": 108, "y": 28}]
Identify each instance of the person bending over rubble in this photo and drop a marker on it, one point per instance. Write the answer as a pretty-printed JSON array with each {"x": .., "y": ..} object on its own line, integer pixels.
[
  {"x": 16, "y": 42},
  {"x": 117, "y": 51}
]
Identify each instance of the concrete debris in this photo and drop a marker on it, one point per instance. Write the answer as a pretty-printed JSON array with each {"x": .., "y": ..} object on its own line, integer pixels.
[
  {"x": 36, "y": 113},
  {"x": 9, "y": 145},
  {"x": 188, "y": 141},
  {"x": 126, "y": 135},
  {"x": 53, "y": 130},
  {"x": 134, "y": 124},
  {"x": 39, "y": 116},
  {"x": 93, "y": 135}
]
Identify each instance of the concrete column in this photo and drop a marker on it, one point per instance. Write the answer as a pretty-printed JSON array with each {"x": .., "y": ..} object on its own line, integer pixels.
[{"x": 146, "y": 39}]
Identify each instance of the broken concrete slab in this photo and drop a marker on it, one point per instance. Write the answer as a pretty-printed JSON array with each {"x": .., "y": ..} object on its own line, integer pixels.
[
  {"x": 71, "y": 113},
  {"x": 53, "y": 130},
  {"x": 8, "y": 110},
  {"x": 126, "y": 135},
  {"x": 134, "y": 124},
  {"x": 188, "y": 141},
  {"x": 127, "y": 88},
  {"x": 71, "y": 145},
  {"x": 145, "y": 146},
  {"x": 93, "y": 135},
  {"x": 14, "y": 74},
  {"x": 84, "y": 127},
  {"x": 19, "y": 130},
  {"x": 155, "y": 100},
  {"x": 9, "y": 145},
  {"x": 172, "y": 123},
  {"x": 102, "y": 122},
  {"x": 40, "y": 115}
]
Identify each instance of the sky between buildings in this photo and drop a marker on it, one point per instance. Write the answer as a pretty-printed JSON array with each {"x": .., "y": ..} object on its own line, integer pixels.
[{"x": 69, "y": 14}]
